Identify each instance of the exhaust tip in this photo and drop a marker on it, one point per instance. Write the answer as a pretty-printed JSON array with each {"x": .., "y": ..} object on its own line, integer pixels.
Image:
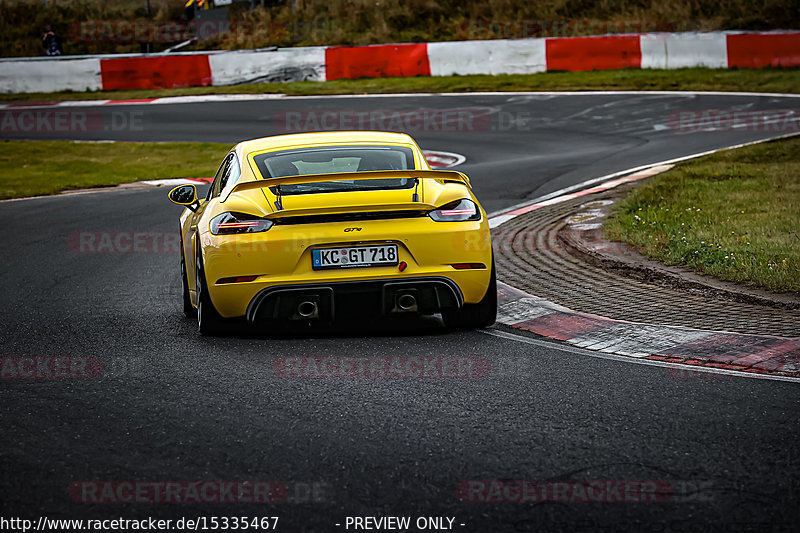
[
  {"x": 307, "y": 309},
  {"x": 406, "y": 302}
]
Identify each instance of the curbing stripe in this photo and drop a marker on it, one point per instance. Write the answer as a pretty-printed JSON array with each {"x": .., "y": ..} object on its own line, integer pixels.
[
  {"x": 739, "y": 353},
  {"x": 497, "y": 220},
  {"x": 685, "y": 369}
]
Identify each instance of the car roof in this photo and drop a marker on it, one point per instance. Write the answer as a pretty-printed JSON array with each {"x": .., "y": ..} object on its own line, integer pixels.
[{"x": 333, "y": 137}]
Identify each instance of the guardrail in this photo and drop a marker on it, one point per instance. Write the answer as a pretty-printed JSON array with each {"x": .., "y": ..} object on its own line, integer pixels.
[{"x": 501, "y": 56}]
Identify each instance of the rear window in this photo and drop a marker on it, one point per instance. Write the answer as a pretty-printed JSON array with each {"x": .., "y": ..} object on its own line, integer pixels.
[{"x": 335, "y": 160}]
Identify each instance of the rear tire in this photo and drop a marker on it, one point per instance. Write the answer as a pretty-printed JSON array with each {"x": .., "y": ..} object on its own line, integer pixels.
[
  {"x": 209, "y": 322},
  {"x": 480, "y": 315}
]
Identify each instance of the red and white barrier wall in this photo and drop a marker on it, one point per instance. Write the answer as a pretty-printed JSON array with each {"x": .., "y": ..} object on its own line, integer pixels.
[{"x": 519, "y": 56}]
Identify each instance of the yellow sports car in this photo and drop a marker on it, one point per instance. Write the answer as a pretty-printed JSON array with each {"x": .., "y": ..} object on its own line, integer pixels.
[{"x": 314, "y": 227}]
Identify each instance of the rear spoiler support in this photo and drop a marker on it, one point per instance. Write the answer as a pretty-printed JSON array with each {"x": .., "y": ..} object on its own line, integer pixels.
[{"x": 443, "y": 175}]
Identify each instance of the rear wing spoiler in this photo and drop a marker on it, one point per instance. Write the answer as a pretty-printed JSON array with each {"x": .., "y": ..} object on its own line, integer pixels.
[{"x": 442, "y": 175}]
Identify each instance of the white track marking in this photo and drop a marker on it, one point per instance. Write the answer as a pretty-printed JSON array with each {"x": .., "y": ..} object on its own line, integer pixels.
[
  {"x": 191, "y": 99},
  {"x": 584, "y": 184},
  {"x": 438, "y": 155}
]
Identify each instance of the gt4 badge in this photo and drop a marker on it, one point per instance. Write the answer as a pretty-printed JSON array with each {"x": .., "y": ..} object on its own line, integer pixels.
[{"x": 347, "y": 230}]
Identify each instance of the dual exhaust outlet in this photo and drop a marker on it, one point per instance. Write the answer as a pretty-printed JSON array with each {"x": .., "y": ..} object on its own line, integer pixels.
[
  {"x": 418, "y": 296},
  {"x": 404, "y": 302}
]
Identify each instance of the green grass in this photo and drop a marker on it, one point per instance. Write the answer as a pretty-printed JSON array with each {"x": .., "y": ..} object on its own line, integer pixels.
[
  {"x": 689, "y": 79},
  {"x": 32, "y": 168},
  {"x": 734, "y": 215}
]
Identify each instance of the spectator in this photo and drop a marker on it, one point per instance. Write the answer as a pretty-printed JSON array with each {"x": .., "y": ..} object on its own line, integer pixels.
[{"x": 51, "y": 42}]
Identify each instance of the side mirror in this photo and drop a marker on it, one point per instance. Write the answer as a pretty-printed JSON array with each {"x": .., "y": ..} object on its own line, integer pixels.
[{"x": 185, "y": 195}]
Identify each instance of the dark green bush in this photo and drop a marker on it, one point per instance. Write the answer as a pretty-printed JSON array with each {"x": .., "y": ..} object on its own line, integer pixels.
[{"x": 323, "y": 22}]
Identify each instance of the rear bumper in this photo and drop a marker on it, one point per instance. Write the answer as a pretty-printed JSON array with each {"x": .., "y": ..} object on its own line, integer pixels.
[
  {"x": 280, "y": 259},
  {"x": 354, "y": 298}
]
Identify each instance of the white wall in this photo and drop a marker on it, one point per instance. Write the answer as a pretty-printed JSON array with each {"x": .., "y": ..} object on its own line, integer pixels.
[
  {"x": 679, "y": 50},
  {"x": 502, "y": 56},
  {"x": 36, "y": 76},
  {"x": 287, "y": 64}
]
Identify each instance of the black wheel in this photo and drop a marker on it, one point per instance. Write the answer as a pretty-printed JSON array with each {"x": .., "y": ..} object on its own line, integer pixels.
[
  {"x": 188, "y": 308},
  {"x": 209, "y": 322},
  {"x": 480, "y": 315}
]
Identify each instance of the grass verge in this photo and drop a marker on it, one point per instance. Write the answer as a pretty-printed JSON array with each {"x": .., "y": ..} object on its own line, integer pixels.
[
  {"x": 688, "y": 79},
  {"x": 734, "y": 215},
  {"x": 33, "y": 168}
]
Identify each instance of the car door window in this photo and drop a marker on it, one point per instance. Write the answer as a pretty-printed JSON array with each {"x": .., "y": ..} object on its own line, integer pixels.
[
  {"x": 215, "y": 188},
  {"x": 231, "y": 174}
]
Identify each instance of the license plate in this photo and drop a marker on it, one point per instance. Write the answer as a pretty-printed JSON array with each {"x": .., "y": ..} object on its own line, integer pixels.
[{"x": 354, "y": 256}]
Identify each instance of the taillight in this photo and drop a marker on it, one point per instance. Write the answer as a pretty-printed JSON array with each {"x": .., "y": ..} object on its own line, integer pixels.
[
  {"x": 236, "y": 223},
  {"x": 458, "y": 211}
]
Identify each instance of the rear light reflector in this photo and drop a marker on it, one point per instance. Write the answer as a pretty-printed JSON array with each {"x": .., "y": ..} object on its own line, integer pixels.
[
  {"x": 468, "y": 266},
  {"x": 236, "y": 279}
]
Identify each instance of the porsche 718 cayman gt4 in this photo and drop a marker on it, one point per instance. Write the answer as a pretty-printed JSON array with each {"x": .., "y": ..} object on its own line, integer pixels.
[{"x": 324, "y": 226}]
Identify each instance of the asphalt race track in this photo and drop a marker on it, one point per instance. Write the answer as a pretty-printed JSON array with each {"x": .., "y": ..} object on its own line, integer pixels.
[{"x": 174, "y": 406}]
